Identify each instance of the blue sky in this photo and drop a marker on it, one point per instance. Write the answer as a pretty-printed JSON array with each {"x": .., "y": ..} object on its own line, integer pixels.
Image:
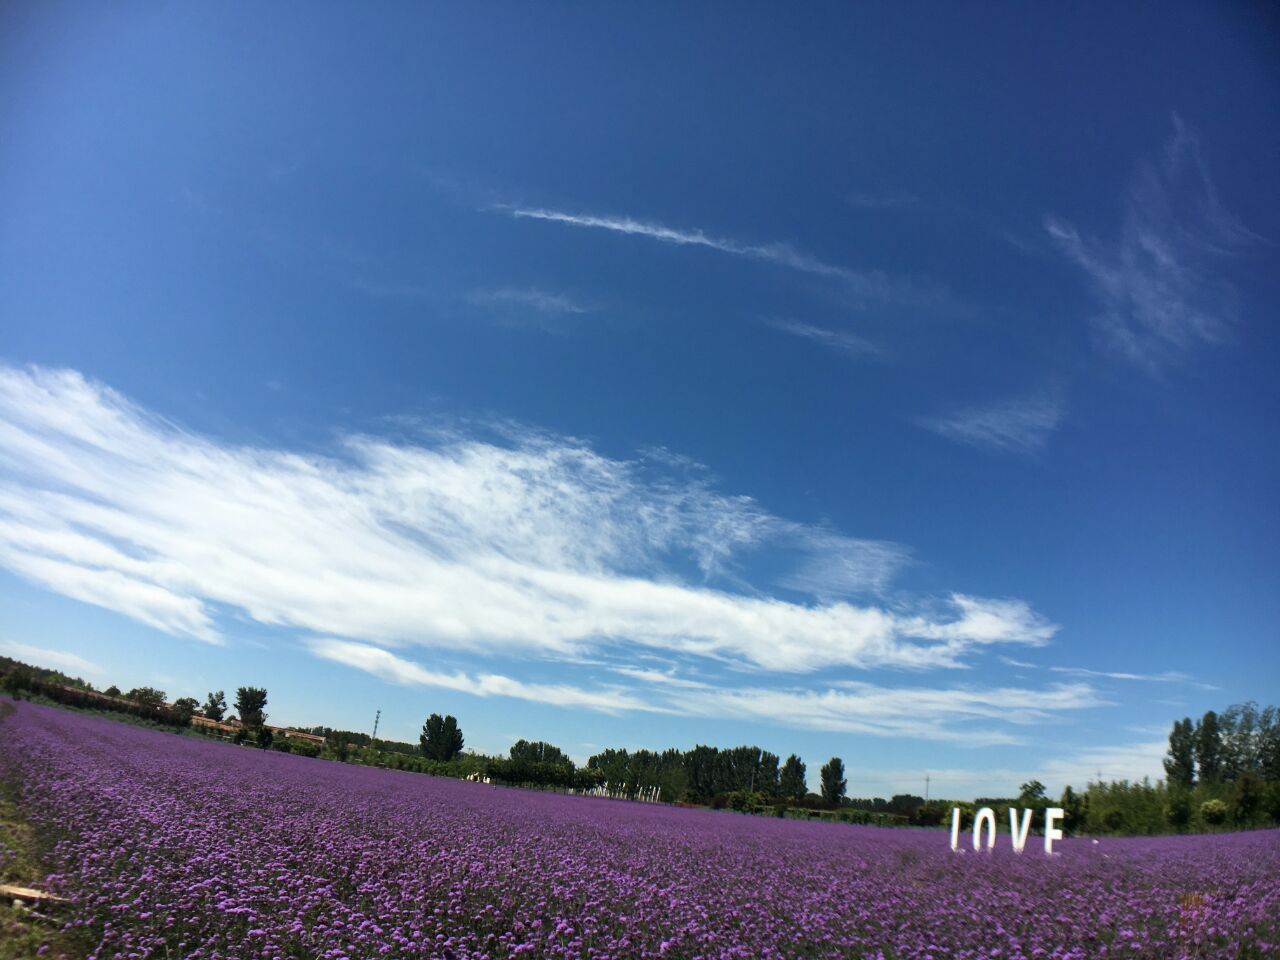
[{"x": 870, "y": 384}]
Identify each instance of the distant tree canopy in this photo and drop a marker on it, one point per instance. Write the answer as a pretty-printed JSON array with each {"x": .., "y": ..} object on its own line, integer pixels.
[
  {"x": 834, "y": 783},
  {"x": 791, "y": 782},
  {"x": 441, "y": 738},
  {"x": 147, "y": 696},
  {"x": 184, "y": 709},
  {"x": 1223, "y": 748},
  {"x": 112, "y": 691},
  {"x": 251, "y": 703},
  {"x": 215, "y": 706},
  {"x": 538, "y": 752},
  {"x": 1031, "y": 792}
]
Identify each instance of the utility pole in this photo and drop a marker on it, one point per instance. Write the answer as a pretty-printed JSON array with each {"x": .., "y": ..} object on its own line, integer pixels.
[
  {"x": 926, "y": 788},
  {"x": 375, "y": 726}
]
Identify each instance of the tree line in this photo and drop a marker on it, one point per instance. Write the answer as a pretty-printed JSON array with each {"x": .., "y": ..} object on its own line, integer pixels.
[{"x": 1222, "y": 770}]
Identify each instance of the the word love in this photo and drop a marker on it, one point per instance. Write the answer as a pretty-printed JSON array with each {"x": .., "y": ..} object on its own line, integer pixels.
[{"x": 984, "y": 821}]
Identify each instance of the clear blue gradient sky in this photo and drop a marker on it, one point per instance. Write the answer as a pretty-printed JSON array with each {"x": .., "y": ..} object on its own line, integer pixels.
[{"x": 895, "y": 386}]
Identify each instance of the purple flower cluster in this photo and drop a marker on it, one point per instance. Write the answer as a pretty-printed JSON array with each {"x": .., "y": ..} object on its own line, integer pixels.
[{"x": 169, "y": 847}]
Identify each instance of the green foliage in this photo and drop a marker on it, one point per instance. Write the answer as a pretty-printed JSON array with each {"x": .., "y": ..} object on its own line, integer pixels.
[
  {"x": 745, "y": 801},
  {"x": 1072, "y": 810},
  {"x": 1031, "y": 793},
  {"x": 1177, "y": 809},
  {"x": 184, "y": 709},
  {"x": 1208, "y": 742},
  {"x": 441, "y": 738},
  {"x": 834, "y": 783},
  {"x": 1214, "y": 812},
  {"x": 251, "y": 703},
  {"x": 304, "y": 748},
  {"x": 113, "y": 691},
  {"x": 1248, "y": 795},
  {"x": 538, "y": 752},
  {"x": 791, "y": 782},
  {"x": 1180, "y": 762},
  {"x": 215, "y": 706},
  {"x": 147, "y": 696},
  {"x": 18, "y": 679}
]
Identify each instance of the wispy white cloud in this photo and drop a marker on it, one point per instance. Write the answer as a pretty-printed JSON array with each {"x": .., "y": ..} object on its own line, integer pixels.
[
  {"x": 840, "y": 340},
  {"x": 1128, "y": 761},
  {"x": 668, "y": 678},
  {"x": 924, "y": 713},
  {"x": 1167, "y": 676},
  {"x": 540, "y": 548},
  {"x": 63, "y": 660},
  {"x": 531, "y": 298},
  {"x": 865, "y": 284},
  {"x": 382, "y": 663},
  {"x": 940, "y": 715},
  {"x": 1076, "y": 767},
  {"x": 1020, "y": 425},
  {"x": 838, "y": 566},
  {"x": 1021, "y": 664},
  {"x": 536, "y": 549},
  {"x": 1157, "y": 286}
]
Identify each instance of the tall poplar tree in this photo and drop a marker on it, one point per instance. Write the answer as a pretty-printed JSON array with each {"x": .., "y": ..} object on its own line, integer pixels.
[
  {"x": 792, "y": 783},
  {"x": 1208, "y": 738},
  {"x": 1180, "y": 762},
  {"x": 833, "y": 782}
]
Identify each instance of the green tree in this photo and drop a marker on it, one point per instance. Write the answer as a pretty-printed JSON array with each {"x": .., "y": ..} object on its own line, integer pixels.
[
  {"x": 537, "y": 752},
  {"x": 1209, "y": 748},
  {"x": 147, "y": 696},
  {"x": 1177, "y": 808},
  {"x": 1240, "y": 727},
  {"x": 1072, "y": 809},
  {"x": 1247, "y": 797},
  {"x": 792, "y": 783},
  {"x": 251, "y": 703},
  {"x": 112, "y": 691},
  {"x": 1214, "y": 812},
  {"x": 1269, "y": 744},
  {"x": 834, "y": 783},
  {"x": 215, "y": 708},
  {"x": 184, "y": 708},
  {"x": 1180, "y": 762},
  {"x": 441, "y": 738},
  {"x": 1031, "y": 792}
]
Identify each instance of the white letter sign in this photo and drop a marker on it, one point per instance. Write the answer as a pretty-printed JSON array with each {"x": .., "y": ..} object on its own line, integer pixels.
[
  {"x": 988, "y": 816},
  {"x": 1052, "y": 833},
  {"x": 1016, "y": 833}
]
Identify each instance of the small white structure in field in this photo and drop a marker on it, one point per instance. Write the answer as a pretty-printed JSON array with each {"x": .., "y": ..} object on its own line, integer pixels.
[{"x": 985, "y": 820}]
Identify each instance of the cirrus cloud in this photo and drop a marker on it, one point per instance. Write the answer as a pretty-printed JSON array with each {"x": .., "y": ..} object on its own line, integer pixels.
[{"x": 532, "y": 548}]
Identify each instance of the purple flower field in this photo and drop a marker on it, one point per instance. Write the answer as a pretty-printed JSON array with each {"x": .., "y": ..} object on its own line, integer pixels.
[{"x": 172, "y": 847}]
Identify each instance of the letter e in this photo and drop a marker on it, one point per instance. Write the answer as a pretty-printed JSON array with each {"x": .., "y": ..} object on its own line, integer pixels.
[{"x": 1051, "y": 833}]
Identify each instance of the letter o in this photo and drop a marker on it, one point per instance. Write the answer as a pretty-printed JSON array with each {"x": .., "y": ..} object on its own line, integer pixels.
[{"x": 988, "y": 816}]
